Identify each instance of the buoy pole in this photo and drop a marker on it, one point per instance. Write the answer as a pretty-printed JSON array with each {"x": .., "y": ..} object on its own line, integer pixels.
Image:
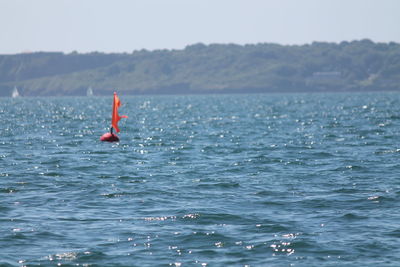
[{"x": 111, "y": 137}]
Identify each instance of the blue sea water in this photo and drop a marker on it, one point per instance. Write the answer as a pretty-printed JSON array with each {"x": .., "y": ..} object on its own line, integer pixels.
[{"x": 213, "y": 180}]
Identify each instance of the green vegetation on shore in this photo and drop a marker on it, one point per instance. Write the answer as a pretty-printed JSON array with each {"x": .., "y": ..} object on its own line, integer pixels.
[{"x": 216, "y": 68}]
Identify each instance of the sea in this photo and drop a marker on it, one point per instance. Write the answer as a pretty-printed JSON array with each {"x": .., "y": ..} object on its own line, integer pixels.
[{"x": 201, "y": 180}]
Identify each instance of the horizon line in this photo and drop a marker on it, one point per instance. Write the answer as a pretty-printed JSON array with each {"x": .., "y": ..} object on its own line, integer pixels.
[{"x": 193, "y": 44}]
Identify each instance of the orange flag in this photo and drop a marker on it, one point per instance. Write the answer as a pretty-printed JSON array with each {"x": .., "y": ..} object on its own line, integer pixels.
[{"x": 115, "y": 117}]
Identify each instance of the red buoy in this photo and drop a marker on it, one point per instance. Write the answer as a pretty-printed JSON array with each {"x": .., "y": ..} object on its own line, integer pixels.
[{"x": 109, "y": 137}]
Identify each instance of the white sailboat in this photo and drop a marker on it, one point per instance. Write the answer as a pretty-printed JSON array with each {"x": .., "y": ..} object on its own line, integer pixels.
[
  {"x": 15, "y": 93},
  {"x": 89, "y": 92}
]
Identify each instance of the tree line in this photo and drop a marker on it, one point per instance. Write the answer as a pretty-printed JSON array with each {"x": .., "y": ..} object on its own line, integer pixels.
[{"x": 216, "y": 68}]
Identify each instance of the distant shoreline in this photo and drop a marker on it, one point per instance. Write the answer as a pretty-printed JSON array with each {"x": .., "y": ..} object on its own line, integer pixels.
[
  {"x": 215, "y": 94},
  {"x": 359, "y": 66}
]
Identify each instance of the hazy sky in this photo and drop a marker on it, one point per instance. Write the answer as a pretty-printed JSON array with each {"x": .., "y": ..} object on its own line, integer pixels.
[{"x": 127, "y": 25}]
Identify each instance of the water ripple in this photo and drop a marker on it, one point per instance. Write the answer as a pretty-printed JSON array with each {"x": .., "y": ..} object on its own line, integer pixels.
[{"x": 227, "y": 180}]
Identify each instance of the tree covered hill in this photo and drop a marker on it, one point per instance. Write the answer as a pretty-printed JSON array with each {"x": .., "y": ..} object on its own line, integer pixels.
[{"x": 217, "y": 68}]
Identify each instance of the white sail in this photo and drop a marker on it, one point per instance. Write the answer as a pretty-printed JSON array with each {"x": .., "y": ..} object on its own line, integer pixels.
[
  {"x": 15, "y": 93},
  {"x": 89, "y": 92}
]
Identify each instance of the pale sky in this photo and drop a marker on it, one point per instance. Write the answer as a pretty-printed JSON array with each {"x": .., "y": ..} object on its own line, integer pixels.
[{"x": 128, "y": 25}]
